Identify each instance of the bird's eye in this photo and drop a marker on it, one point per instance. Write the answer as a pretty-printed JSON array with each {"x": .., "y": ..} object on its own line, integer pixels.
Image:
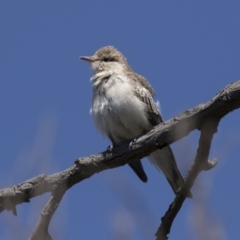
[{"x": 106, "y": 59}]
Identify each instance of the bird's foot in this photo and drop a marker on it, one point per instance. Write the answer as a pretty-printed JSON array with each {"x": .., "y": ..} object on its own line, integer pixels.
[
  {"x": 132, "y": 144},
  {"x": 110, "y": 148}
]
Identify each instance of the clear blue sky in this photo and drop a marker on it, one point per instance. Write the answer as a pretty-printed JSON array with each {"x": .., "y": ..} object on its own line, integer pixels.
[{"x": 188, "y": 50}]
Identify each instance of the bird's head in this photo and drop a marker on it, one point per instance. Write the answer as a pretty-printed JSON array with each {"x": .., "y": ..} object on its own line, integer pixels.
[{"x": 107, "y": 58}]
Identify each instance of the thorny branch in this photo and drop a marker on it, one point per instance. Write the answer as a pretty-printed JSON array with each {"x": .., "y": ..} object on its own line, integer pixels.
[{"x": 200, "y": 117}]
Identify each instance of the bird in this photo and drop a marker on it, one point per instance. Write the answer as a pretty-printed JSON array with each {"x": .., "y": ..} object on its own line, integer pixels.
[{"x": 123, "y": 108}]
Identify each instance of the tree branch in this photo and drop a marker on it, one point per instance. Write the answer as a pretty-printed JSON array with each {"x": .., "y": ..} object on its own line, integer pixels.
[
  {"x": 162, "y": 135},
  {"x": 200, "y": 163},
  {"x": 41, "y": 230}
]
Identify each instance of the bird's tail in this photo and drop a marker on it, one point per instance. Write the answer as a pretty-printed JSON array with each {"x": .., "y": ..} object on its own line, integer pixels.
[
  {"x": 165, "y": 161},
  {"x": 138, "y": 169}
]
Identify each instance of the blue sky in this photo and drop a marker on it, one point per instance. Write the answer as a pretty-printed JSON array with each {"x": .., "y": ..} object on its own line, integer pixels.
[{"x": 188, "y": 50}]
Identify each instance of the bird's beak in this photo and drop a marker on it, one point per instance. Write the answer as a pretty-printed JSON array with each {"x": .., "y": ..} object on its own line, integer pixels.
[{"x": 88, "y": 59}]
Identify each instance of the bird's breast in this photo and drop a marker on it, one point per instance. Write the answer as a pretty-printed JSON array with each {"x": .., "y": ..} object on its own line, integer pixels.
[{"x": 116, "y": 110}]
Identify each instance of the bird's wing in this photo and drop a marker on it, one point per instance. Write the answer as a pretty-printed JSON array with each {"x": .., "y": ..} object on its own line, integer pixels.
[
  {"x": 152, "y": 111},
  {"x": 163, "y": 159}
]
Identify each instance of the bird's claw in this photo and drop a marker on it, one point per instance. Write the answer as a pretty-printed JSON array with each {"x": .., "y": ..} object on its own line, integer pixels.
[
  {"x": 132, "y": 145},
  {"x": 110, "y": 148}
]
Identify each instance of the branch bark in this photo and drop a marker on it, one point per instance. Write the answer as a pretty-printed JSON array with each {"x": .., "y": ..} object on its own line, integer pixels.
[{"x": 162, "y": 135}]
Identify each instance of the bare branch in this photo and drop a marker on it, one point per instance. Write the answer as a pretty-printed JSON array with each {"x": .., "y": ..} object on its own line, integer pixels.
[
  {"x": 200, "y": 163},
  {"x": 10, "y": 197},
  {"x": 41, "y": 230}
]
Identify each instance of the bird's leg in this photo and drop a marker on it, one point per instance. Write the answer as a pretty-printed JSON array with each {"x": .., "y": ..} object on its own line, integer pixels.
[
  {"x": 132, "y": 144},
  {"x": 110, "y": 148}
]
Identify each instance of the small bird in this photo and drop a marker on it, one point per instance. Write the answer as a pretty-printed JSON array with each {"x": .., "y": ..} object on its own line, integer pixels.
[{"x": 123, "y": 108}]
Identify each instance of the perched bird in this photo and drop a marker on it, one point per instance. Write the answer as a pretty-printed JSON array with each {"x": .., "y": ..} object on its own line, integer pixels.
[{"x": 123, "y": 108}]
